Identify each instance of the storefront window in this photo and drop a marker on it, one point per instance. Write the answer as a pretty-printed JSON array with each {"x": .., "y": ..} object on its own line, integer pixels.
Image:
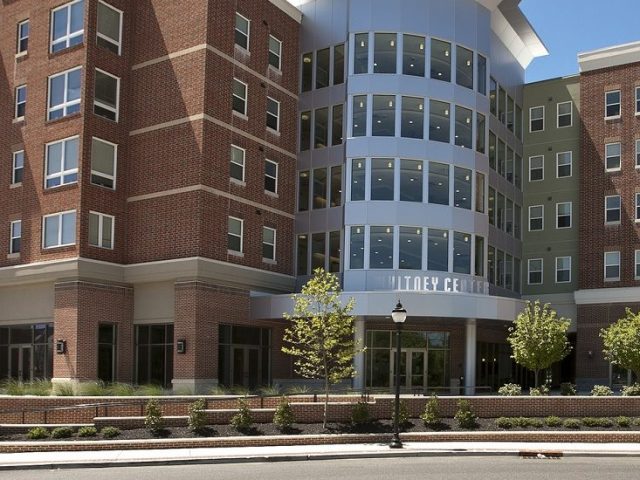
[
  {"x": 154, "y": 354},
  {"x": 244, "y": 356}
]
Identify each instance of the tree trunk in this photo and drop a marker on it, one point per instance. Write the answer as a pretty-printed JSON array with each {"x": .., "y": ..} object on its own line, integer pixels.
[
  {"x": 326, "y": 392},
  {"x": 536, "y": 377}
]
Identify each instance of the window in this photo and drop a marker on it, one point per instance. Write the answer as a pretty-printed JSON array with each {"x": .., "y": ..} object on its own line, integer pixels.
[
  {"x": 502, "y": 158},
  {"x": 21, "y": 101},
  {"x": 305, "y": 131},
  {"x": 268, "y": 243},
  {"x": 510, "y": 113},
  {"x": 61, "y": 162},
  {"x": 509, "y": 165},
  {"x": 517, "y": 218},
  {"x": 303, "y": 191},
  {"x": 638, "y": 153},
  {"x": 563, "y": 269},
  {"x": 637, "y": 207},
  {"x": 319, "y": 188},
  {"x": 612, "y": 154},
  {"x": 334, "y": 251},
  {"x": 103, "y": 163},
  {"x": 478, "y": 270},
  {"x": 492, "y": 206},
  {"x": 612, "y": 209},
  {"x": 242, "y": 29},
  {"x": 637, "y": 265},
  {"x": 381, "y": 250},
  {"x": 440, "y": 60},
  {"x": 270, "y": 176},
  {"x": 493, "y": 96},
  {"x": 384, "y": 53},
  {"x": 17, "y": 170},
  {"x": 67, "y": 26},
  {"x": 361, "y": 56},
  {"x": 509, "y": 217},
  {"x": 59, "y": 229},
  {"x": 275, "y": 52},
  {"x": 234, "y": 237},
  {"x": 517, "y": 177},
  {"x": 462, "y": 188},
  {"x": 336, "y": 124},
  {"x": 563, "y": 215},
  {"x": 382, "y": 179},
  {"x": 611, "y": 266},
  {"x": 637, "y": 100},
  {"x": 536, "y": 119},
  {"x": 438, "y": 250},
  {"x": 565, "y": 114},
  {"x": 307, "y": 72},
  {"x": 461, "y": 253},
  {"x": 464, "y": 67},
  {"x": 23, "y": 37},
  {"x": 412, "y": 124},
  {"x": 612, "y": 104},
  {"x": 536, "y": 168},
  {"x": 105, "y": 103},
  {"x": 500, "y": 212},
  {"x": 536, "y": 217},
  {"x": 358, "y": 176},
  {"x": 438, "y": 183},
  {"x": 464, "y": 127},
  {"x": 564, "y": 162},
  {"x": 303, "y": 255},
  {"x": 535, "y": 271},
  {"x": 318, "y": 250},
  {"x": 64, "y": 94},
  {"x": 481, "y": 132},
  {"x": 273, "y": 114},
  {"x": 323, "y": 60},
  {"x": 491, "y": 265},
  {"x": 101, "y": 230},
  {"x": 411, "y": 181},
  {"x": 439, "y": 123},
  {"x": 518, "y": 126},
  {"x": 508, "y": 272},
  {"x": 356, "y": 248},
  {"x": 502, "y": 104},
  {"x": 482, "y": 75},
  {"x": 239, "y": 103},
  {"x": 480, "y": 193},
  {"x": 335, "y": 188},
  {"x": 359, "y": 128},
  {"x": 321, "y": 128},
  {"x": 107, "y": 351},
  {"x": 236, "y": 166},
  {"x": 413, "y": 55},
  {"x": 15, "y": 237},
  {"x": 109, "y": 28},
  {"x": 492, "y": 150},
  {"x": 384, "y": 116},
  {"x": 410, "y": 251},
  {"x": 516, "y": 275},
  {"x": 338, "y": 64}
]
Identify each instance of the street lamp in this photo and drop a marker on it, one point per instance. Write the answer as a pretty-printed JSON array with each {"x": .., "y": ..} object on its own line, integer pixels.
[{"x": 399, "y": 315}]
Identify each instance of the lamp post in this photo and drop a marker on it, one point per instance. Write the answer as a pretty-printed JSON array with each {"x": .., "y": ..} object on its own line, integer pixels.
[{"x": 399, "y": 315}]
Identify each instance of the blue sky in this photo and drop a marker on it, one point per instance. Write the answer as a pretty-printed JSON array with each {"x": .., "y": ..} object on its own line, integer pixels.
[{"x": 568, "y": 27}]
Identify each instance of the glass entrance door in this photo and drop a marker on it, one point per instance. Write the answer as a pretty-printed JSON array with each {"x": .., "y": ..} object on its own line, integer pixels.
[
  {"x": 20, "y": 359},
  {"x": 412, "y": 369},
  {"x": 246, "y": 367}
]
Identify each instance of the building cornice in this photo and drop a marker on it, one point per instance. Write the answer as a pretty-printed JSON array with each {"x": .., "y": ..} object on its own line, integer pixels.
[
  {"x": 609, "y": 57},
  {"x": 288, "y": 8},
  {"x": 606, "y": 296}
]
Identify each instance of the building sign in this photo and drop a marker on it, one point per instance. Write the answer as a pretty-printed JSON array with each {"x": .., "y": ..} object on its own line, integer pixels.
[{"x": 435, "y": 283}]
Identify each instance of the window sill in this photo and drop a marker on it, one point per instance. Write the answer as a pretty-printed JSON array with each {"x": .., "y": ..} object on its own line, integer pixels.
[
  {"x": 233, "y": 253},
  {"x": 15, "y": 185},
  {"x": 64, "y": 50},
  {"x": 271, "y": 194},
  {"x": 268, "y": 261},
  {"x": 240, "y": 115},
  {"x": 237, "y": 182},
  {"x": 241, "y": 49},
  {"x": 273, "y": 132},
  {"x": 609, "y": 280},
  {"x": 615, "y": 117},
  {"x": 22, "y": 55},
  {"x": 57, "y": 188},
  {"x": 611, "y": 224},
  {"x": 275, "y": 70},
  {"x": 65, "y": 118},
  {"x": 17, "y": 120},
  {"x": 58, "y": 247},
  {"x": 612, "y": 170},
  {"x": 13, "y": 256}
]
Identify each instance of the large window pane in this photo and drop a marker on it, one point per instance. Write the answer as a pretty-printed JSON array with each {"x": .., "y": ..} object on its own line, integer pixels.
[
  {"x": 438, "y": 183},
  {"x": 413, "y": 55},
  {"x": 361, "y": 57},
  {"x": 303, "y": 251},
  {"x": 336, "y": 124},
  {"x": 384, "y": 55},
  {"x": 480, "y": 195},
  {"x": 381, "y": 254},
  {"x": 479, "y": 257},
  {"x": 359, "y": 116},
  {"x": 382, "y": 178},
  {"x": 492, "y": 150},
  {"x": 438, "y": 250},
  {"x": 464, "y": 67},
  {"x": 384, "y": 116},
  {"x": 334, "y": 251},
  {"x": 321, "y": 129},
  {"x": 336, "y": 186},
  {"x": 492, "y": 206},
  {"x": 482, "y": 75},
  {"x": 439, "y": 123},
  {"x": 464, "y": 127},
  {"x": 322, "y": 68},
  {"x": 440, "y": 60},
  {"x": 319, "y": 188},
  {"x": 358, "y": 172},
  {"x": 493, "y": 96},
  {"x": 481, "y": 131},
  {"x": 356, "y": 248},
  {"x": 461, "y": 253},
  {"x": 410, "y": 248},
  {"x": 338, "y": 64},
  {"x": 410, "y": 181},
  {"x": 412, "y": 117},
  {"x": 462, "y": 188},
  {"x": 303, "y": 191},
  {"x": 305, "y": 131},
  {"x": 307, "y": 71},
  {"x": 318, "y": 254}
]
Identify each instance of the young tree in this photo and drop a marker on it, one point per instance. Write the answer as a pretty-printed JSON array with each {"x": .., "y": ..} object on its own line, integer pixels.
[
  {"x": 622, "y": 342},
  {"x": 321, "y": 334},
  {"x": 538, "y": 337}
]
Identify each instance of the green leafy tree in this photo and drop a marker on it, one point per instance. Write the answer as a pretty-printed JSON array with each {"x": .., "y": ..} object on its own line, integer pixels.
[
  {"x": 622, "y": 342},
  {"x": 538, "y": 337},
  {"x": 321, "y": 334}
]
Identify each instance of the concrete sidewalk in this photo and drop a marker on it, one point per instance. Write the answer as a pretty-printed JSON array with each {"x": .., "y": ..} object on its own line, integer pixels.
[{"x": 116, "y": 458}]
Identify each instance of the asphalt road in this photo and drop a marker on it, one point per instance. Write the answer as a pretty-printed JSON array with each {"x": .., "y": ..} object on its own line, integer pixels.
[{"x": 451, "y": 467}]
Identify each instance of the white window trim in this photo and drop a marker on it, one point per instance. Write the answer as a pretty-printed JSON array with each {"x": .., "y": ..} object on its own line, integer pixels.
[
  {"x": 115, "y": 165},
  {"x": 101, "y": 217},
  {"x": 275, "y": 178},
  {"x": 637, "y": 204},
  {"x": 635, "y": 265},
  {"x": 248, "y": 34},
  {"x": 60, "y": 244},
  {"x": 267, "y": 243},
  {"x": 607, "y": 104},
  {"x": 277, "y": 54},
  {"x": 241, "y": 235},
  {"x": 20, "y": 53},
  {"x": 531, "y": 119},
  {"x": 69, "y": 35},
  {"x": 637, "y": 98},
  {"x": 637, "y": 162},
  {"x": 246, "y": 95},
  {"x": 277, "y": 129},
  {"x": 570, "y": 152},
  {"x": 614, "y": 279},
  {"x": 109, "y": 39},
  {"x": 570, "y": 215},
  {"x": 61, "y": 174},
  {"x": 98, "y": 103},
  {"x": 606, "y": 157},
  {"x": 13, "y": 166},
  {"x": 66, "y": 103},
  {"x": 244, "y": 162},
  {"x": 541, "y": 217},
  {"x": 530, "y": 158},
  {"x": 606, "y": 209},
  {"x": 558, "y": 114},
  {"x": 16, "y": 103},
  {"x": 564, "y": 281},
  {"x": 12, "y": 237},
  {"x": 529, "y": 271}
]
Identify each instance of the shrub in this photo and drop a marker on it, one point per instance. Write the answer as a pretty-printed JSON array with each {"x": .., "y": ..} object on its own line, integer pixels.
[
  {"x": 13, "y": 387},
  {"x": 535, "y": 423},
  {"x": 197, "y": 419},
  {"x": 150, "y": 390},
  {"x": 360, "y": 413},
  {"x": 431, "y": 415},
  {"x": 504, "y": 422},
  {"x": 240, "y": 390},
  {"x": 38, "y": 387},
  {"x": 597, "y": 422},
  {"x": 464, "y": 416},
  {"x": 270, "y": 391},
  {"x": 121, "y": 390},
  {"x": 242, "y": 420},
  {"x": 510, "y": 390},
  {"x": 61, "y": 432},
  {"x": 87, "y": 432},
  {"x": 623, "y": 422},
  {"x": 110, "y": 432},
  {"x": 568, "y": 389},
  {"x": 636, "y": 422},
  {"x": 219, "y": 390},
  {"x": 601, "y": 391},
  {"x": 37, "y": 433},
  {"x": 283, "y": 417},
  {"x": 552, "y": 421},
  {"x": 153, "y": 418},
  {"x": 403, "y": 414},
  {"x": 94, "y": 389},
  {"x": 64, "y": 389},
  {"x": 526, "y": 422},
  {"x": 572, "y": 424},
  {"x": 299, "y": 390},
  {"x": 631, "y": 390},
  {"x": 537, "y": 392}
]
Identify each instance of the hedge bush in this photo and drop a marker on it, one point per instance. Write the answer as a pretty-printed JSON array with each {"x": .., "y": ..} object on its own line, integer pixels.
[
  {"x": 465, "y": 416},
  {"x": 631, "y": 390},
  {"x": 37, "y": 433},
  {"x": 110, "y": 432},
  {"x": 61, "y": 432},
  {"x": 283, "y": 417},
  {"x": 431, "y": 415},
  {"x": 553, "y": 421},
  {"x": 87, "y": 432},
  {"x": 360, "y": 413},
  {"x": 510, "y": 390},
  {"x": 572, "y": 424},
  {"x": 197, "y": 419},
  {"x": 601, "y": 391},
  {"x": 243, "y": 419}
]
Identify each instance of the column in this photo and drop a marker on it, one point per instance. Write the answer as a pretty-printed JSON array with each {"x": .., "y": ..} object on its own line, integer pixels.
[
  {"x": 470, "y": 357},
  {"x": 359, "y": 360}
]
